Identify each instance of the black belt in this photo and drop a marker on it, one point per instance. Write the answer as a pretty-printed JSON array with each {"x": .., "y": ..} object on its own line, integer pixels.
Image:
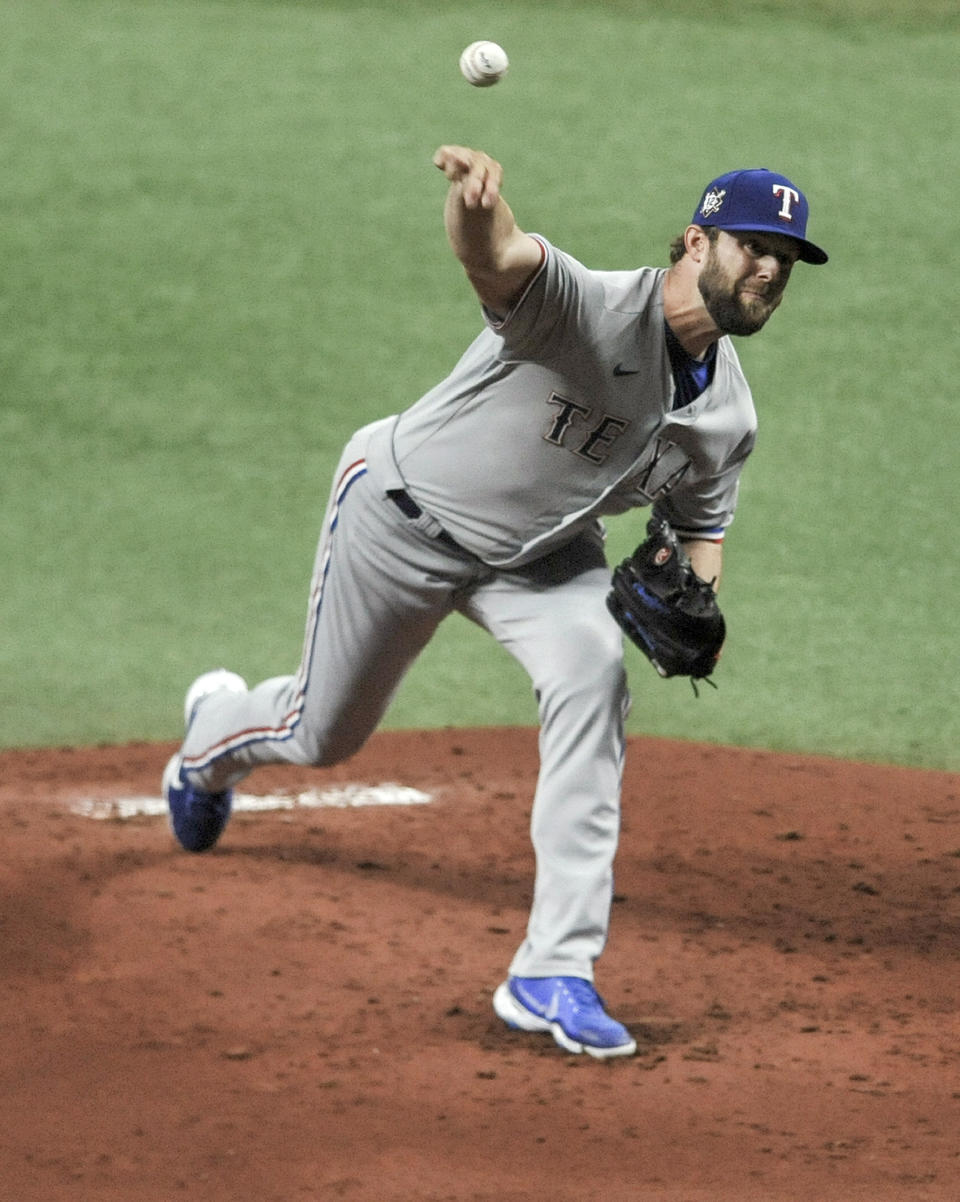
[{"x": 410, "y": 509}]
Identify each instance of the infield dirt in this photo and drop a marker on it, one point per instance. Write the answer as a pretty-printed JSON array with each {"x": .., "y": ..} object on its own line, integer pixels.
[{"x": 305, "y": 1011}]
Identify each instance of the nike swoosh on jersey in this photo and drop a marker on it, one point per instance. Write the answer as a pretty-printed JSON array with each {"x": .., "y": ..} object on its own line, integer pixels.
[{"x": 620, "y": 370}]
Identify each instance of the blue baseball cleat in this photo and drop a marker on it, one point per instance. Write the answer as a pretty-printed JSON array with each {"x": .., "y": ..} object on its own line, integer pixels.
[
  {"x": 569, "y": 1008},
  {"x": 196, "y": 817}
]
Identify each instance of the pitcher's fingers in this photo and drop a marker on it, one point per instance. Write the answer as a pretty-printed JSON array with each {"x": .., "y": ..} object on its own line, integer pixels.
[{"x": 478, "y": 175}]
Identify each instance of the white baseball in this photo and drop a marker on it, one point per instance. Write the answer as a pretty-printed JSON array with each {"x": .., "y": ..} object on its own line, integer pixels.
[{"x": 484, "y": 64}]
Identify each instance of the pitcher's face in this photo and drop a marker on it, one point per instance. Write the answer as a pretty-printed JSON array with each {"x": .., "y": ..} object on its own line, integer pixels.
[{"x": 743, "y": 278}]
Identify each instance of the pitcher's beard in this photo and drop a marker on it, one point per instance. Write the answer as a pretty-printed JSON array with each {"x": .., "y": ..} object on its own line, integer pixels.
[{"x": 733, "y": 311}]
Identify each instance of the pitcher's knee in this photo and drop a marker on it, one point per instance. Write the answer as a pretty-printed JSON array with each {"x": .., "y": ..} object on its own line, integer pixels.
[{"x": 324, "y": 750}]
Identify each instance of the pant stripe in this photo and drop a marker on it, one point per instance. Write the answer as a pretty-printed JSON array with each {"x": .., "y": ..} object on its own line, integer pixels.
[{"x": 292, "y": 718}]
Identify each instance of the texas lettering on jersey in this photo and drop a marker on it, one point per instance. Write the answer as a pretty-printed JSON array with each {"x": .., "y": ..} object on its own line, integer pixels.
[
  {"x": 600, "y": 435},
  {"x": 665, "y": 466},
  {"x": 575, "y": 428}
]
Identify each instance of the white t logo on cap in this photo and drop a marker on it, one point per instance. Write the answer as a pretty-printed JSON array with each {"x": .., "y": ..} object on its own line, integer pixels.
[{"x": 787, "y": 197}]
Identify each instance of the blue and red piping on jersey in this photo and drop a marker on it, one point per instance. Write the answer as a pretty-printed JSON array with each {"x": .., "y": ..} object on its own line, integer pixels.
[
  {"x": 285, "y": 728},
  {"x": 713, "y": 535}
]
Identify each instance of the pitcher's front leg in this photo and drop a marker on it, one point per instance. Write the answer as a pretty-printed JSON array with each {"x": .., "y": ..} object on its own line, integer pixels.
[
  {"x": 552, "y": 617},
  {"x": 575, "y": 820}
]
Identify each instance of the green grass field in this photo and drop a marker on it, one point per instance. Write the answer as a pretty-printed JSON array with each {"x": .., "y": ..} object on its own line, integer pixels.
[{"x": 222, "y": 251}]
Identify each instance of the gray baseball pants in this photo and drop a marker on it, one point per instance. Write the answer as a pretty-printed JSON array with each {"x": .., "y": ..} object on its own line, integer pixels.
[{"x": 381, "y": 587}]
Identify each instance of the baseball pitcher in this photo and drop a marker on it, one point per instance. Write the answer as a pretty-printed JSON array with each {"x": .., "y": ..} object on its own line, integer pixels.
[{"x": 586, "y": 393}]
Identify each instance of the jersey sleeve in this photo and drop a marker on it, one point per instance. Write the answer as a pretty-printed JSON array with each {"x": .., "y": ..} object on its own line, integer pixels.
[{"x": 542, "y": 321}]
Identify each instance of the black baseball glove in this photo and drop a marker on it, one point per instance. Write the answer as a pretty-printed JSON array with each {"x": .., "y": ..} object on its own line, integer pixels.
[{"x": 665, "y": 608}]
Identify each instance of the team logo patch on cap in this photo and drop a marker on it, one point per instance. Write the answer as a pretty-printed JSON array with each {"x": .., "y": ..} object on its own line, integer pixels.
[{"x": 712, "y": 202}]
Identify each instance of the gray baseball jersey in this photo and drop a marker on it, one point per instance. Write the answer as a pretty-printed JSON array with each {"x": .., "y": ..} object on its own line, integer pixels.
[{"x": 562, "y": 412}]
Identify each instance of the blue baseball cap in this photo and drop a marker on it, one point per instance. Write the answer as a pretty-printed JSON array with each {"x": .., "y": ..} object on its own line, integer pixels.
[{"x": 758, "y": 199}]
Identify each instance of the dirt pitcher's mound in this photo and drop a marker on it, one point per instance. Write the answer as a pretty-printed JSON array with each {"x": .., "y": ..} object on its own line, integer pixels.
[{"x": 304, "y": 1013}]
